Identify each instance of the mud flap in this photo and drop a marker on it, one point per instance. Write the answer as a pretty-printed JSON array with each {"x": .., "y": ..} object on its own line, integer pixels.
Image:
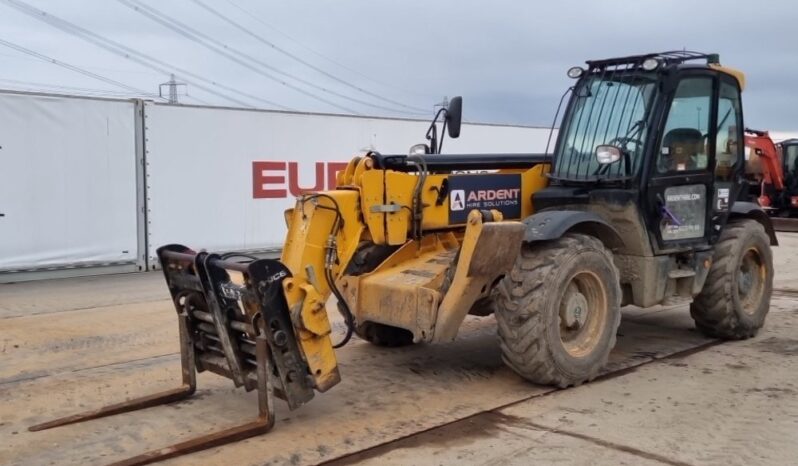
[{"x": 488, "y": 251}]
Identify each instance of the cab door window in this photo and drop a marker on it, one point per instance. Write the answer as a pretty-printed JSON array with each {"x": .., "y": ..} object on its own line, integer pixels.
[
  {"x": 684, "y": 145},
  {"x": 727, "y": 142},
  {"x": 728, "y": 145}
]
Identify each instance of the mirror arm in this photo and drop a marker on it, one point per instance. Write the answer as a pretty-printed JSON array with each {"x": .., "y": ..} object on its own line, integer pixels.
[
  {"x": 432, "y": 132},
  {"x": 432, "y": 137},
  {"x": 443, "y": 135}
]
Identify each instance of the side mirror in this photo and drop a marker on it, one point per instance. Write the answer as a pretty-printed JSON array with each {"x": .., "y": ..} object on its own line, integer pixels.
[
  {"x": 454, "y": 114},
  {"x": 607, "y": 154}
]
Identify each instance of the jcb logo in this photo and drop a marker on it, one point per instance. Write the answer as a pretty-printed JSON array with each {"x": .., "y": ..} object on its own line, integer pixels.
[{"x": 275, "y": 180}]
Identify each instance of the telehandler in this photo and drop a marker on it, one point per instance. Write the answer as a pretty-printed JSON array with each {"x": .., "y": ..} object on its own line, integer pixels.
[{"x": 637, "y": 204}]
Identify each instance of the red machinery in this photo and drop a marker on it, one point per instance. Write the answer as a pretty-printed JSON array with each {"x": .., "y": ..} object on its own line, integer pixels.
[{"x": 772, "y": 171}]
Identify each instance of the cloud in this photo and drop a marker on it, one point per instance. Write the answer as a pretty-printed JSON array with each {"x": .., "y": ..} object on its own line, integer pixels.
[{"x": 507, "y": 58}]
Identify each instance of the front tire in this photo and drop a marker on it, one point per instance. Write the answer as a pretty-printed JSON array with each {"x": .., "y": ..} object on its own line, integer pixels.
[
  {"x": 736, "y": 296},
  {"x": 558, "y": 311}
]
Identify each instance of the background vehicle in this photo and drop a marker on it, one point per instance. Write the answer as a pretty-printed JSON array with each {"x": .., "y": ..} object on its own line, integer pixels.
[
  {"x": 772, "y": 173},
  {"x": 637, "y": 204}
]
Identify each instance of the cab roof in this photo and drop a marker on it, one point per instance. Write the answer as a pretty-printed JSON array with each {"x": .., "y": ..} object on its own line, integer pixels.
[{"x": 670, "y": 58}]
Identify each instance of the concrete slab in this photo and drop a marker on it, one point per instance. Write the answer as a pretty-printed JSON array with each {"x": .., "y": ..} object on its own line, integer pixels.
[
  {"x": 386, "y": 393},
  {"x": 731, "y": 404},
  {"x": 76, "y": 344},
  {"x": 67, "y": 294}
]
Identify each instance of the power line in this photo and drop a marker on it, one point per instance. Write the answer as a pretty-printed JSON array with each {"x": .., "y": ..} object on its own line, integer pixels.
[
  {"x": 38, "y": 86},
  {"x": 244, "y": 59},
  {"x": 31, "y": 86},
  {"x": 98, "y": 68},
  {"x": 196, "y": 36},
  {"x": 74, "y": 68},
  {"x": 255, "y": 17},
  {"x": 298, "y": 59},
  {"x": 134, "y": 55}
]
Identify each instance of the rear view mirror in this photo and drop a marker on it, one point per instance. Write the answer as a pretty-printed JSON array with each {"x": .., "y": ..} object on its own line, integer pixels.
[
  {"x": 606, "y": 154},
  {"x": 454, "y": 114}
]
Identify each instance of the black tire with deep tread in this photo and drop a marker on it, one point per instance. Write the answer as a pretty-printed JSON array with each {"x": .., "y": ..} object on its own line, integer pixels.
[
  {"x": 366, "y": 259},
  {"x": 527, "y": 310},
  {"x": 717, "y": 310}
]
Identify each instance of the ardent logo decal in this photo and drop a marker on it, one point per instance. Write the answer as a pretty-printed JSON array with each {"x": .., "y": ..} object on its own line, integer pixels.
[
  {"x": 484, "y": 192},
  {"x": 457, "y": 200}
]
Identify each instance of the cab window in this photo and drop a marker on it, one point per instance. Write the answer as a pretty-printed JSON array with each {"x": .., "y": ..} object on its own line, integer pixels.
[
  {"x": 791, "y": 159},
  {"x": 727, "y": 142},
  {"x": 684, "y": 145}
]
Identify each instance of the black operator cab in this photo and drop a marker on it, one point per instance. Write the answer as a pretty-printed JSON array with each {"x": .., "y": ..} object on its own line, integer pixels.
[
  {"x": 649, "y": 158},
  {"x": 642, "y": 208},
  {"x": 659, "y": 133}
]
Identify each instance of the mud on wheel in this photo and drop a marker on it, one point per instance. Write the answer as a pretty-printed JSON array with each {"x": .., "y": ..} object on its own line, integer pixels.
[
  {"x": 558, "y": 311},
  {"x": 736, "y": 295}
]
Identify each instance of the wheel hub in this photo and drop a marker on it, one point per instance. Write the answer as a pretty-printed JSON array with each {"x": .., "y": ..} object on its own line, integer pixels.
[
  {"x": 574, "y": 311},
  {"x": 745, "y": 281},
  {"x": 751, "y": 276}
]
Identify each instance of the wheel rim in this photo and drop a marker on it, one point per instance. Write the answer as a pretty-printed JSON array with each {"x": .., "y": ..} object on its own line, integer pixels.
[
  {"x": 583, "y": 314},
  {"x": 751, "y": 280}
]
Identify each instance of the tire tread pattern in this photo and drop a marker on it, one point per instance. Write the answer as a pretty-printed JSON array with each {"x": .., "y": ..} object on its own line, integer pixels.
[
  {"x": 715, "y": 311},
  {"x": 521, "y": 303}
]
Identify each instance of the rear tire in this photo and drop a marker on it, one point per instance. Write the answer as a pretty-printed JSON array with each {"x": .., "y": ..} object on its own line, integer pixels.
[
  {"x": 558, "y": 311},
  {"x": 736, "y": 296}
]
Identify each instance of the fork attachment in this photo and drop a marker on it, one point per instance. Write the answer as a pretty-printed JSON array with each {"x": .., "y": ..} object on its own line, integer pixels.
[{"x": 234, "y": 321}]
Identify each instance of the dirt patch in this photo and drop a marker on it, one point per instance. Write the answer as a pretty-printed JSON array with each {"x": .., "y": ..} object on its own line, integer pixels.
[
  {"x": 777, "y": 345},
  {"x": 773, "y": 392},
  {"x": 456, "y": 434},
  {"x": 738, "y": 366}
]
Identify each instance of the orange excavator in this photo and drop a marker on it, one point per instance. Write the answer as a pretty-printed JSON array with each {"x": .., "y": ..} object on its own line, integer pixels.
[{"x": 772, "y": 172}]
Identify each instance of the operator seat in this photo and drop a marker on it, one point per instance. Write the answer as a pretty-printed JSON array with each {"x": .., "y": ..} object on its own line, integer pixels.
[{"x": 684, "y": 145}]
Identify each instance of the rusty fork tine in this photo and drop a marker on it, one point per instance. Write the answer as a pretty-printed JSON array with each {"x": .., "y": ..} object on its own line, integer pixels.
[
  {"x": 215, "y": 439},
  {"x": 168, "y": 396},
  {"x": 262, "y": 424},
  {"x": 155, "y": 399}
]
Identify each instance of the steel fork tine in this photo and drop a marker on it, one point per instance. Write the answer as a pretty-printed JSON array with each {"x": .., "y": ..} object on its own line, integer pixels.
[
  {"x": 262, "y": 424},
  {"x": 155, "y": 399},
  {"x": 168, "y": 396}
]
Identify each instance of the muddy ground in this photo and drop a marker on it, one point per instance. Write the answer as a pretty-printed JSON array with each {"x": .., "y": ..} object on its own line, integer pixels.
[{"x": 669, "y": 396}]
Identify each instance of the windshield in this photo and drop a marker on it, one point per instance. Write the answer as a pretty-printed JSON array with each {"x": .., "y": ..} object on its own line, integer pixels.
[
  {"x": 605, "y": 109},
  {"x": 791, "y": 158}
]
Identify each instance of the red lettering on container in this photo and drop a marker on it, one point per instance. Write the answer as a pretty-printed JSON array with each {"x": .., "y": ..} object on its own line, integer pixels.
[{"x": 260, "y": 180}]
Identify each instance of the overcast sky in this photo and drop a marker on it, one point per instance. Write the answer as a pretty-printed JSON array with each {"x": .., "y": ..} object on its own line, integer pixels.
[{"x": 507, "y": 58}]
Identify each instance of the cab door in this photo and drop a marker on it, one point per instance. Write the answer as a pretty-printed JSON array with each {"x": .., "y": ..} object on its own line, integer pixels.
[{"x": 696, "y": 160}]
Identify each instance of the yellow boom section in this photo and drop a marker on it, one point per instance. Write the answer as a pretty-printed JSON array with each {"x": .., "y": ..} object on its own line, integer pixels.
[{"x": 402, "y": 210}]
